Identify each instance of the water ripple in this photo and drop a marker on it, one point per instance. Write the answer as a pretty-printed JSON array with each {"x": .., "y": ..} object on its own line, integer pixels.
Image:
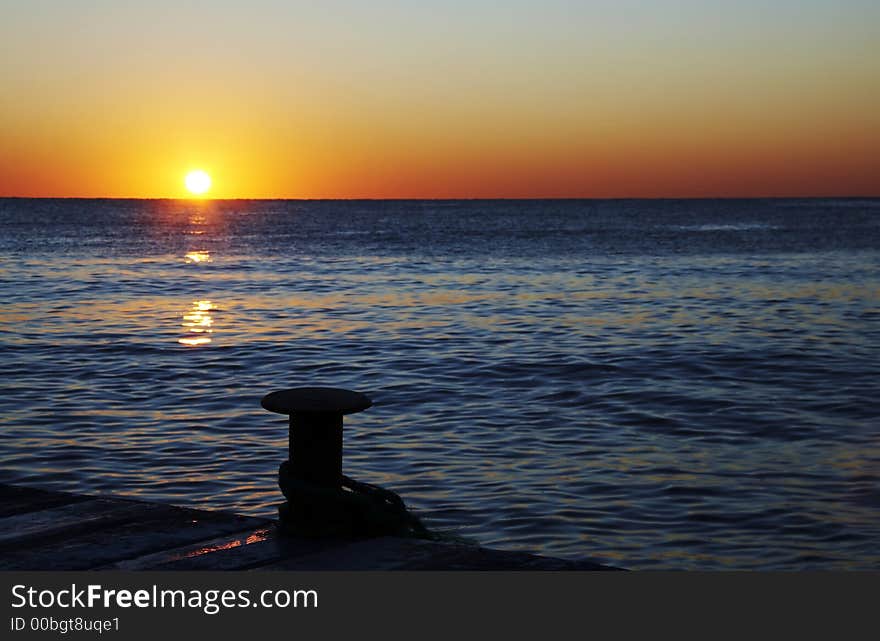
[{"x": 656, "y": 384}]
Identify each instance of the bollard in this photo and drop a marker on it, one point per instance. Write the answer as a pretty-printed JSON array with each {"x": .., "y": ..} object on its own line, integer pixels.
[
  {"x": 321, "y": 501},
  {"x": 315, "y": 439}
]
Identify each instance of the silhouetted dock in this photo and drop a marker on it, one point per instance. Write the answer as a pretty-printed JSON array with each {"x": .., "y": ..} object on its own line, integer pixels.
[{"x": 46, "y": 530}]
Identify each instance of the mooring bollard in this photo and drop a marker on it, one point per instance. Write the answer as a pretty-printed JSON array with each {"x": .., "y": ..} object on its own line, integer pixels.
[
  {"x": 315, "y": 443},
  {"x": 321, "y": 500}
]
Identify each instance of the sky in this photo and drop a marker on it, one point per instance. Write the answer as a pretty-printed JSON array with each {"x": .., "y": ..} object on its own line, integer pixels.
[{"x": 440, "y": 99}]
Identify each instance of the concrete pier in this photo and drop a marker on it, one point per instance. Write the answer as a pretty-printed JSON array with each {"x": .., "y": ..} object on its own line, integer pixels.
[{"x": 48, "y": 530}]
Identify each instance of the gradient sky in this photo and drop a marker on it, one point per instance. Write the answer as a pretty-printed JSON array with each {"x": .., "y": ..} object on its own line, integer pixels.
[{"x": 277, "y": 98}]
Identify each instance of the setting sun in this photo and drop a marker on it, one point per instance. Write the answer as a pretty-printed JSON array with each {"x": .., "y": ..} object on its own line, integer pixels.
[{"x": 198, "y": 182}]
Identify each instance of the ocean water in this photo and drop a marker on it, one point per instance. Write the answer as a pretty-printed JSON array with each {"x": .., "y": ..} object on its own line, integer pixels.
[{"x": 652, "y": 384}]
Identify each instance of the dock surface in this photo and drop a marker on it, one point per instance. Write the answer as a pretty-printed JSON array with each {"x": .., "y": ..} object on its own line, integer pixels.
[{"x": 48, "y": 530}]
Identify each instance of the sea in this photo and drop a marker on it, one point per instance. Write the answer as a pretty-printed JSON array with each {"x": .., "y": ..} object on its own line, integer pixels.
[{"x": 652, "y": 384}]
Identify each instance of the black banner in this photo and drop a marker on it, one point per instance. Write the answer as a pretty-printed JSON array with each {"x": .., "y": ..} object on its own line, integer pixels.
[{"x": 149, "y": 605}]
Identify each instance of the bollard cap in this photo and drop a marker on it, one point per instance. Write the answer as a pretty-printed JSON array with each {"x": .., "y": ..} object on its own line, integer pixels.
[{"x": 315, "y": 400}]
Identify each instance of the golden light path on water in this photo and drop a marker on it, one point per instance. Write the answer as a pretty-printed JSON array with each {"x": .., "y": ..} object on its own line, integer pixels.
[
  {"x": 198, "y": 323},
  {"x": 197, "y": 257}
]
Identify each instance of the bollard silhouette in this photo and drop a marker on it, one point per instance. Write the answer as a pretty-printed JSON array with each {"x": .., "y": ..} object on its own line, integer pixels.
[
  {"x": 315, "y": 443},
  {"x": 321, "y": 500}
]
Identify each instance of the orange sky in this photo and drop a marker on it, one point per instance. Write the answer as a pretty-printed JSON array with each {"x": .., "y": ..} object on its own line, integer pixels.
[{"x": 554, "y": 99}]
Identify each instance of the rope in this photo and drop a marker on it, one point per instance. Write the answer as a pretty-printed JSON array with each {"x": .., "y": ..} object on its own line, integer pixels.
[{"x": 353, "y": 510}]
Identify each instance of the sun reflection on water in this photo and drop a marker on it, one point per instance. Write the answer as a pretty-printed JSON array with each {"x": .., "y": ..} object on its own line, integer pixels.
[
  {"x": 197, "y": 257},
  {"x": 198, "y": 323}
]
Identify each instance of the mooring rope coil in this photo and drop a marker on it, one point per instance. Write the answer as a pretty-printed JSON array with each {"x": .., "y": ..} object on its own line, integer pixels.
[{"x": 355, "y": 509}]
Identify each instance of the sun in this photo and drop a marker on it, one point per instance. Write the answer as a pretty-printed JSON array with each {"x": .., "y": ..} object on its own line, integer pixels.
[{"x": 198, "y": 182}]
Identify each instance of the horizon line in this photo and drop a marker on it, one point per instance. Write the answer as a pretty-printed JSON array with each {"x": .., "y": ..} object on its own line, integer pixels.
[{"x": 442, "y": 198}]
